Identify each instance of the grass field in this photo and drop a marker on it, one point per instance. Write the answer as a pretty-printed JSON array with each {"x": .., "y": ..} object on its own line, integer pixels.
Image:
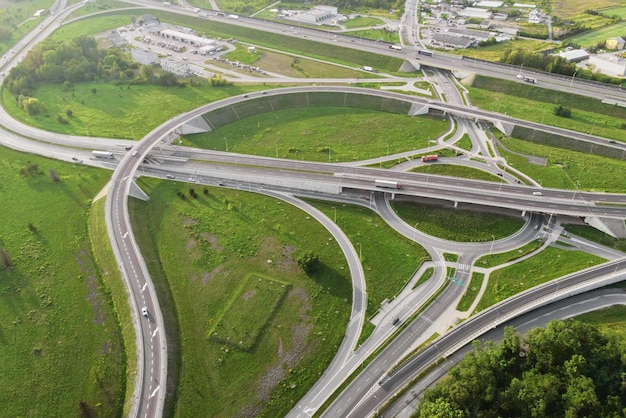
[
  {"x": 565, "y": 168},
  {"x": 375, "y": 34},
  {"x": 550, "y": 264},
  {"x": 536, "y": 104},
  {"x": 60, "y": 335},
  {"x": 615, "y": 11},
  {"x": 492, "y": 260},
  {"x": 314, "y": 133},
  {"x": 589, "y": 39},
  {"x": 207, "y": 247},
  {"x": 137, "y": 109},
  {"x": 457, "y": 225},
  {"x": 496, "y": 52},
  {"x": 452, "y": 170},
  {"x": 362, "y": 22},
  {"x": 571, "y": 8},
  {"x": 389, "y": 260}
]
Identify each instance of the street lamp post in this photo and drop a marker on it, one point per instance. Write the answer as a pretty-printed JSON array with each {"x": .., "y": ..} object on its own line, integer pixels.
[
  {"x": 335, "y": 213},
  {"x": 360, "y": 251},
  {"x": 574, "y": 75},
  {"x": 226, "y": 141},
  {"x": 415, "y": 231},
  {"x": 493, "y": 241}
]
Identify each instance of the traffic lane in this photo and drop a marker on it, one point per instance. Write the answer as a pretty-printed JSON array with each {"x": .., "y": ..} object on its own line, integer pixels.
[
  {"x": 468, "y": 328},
  {"x": 346, "y": 403}
]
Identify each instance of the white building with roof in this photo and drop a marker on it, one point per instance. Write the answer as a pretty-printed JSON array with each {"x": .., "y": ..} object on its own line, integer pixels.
[
  {"x": 317, "y": 15},
  {"x": 609, "y": 64},
  {"x": 186, "y": 37},
  {"x": 475, "y": 12},
  {"x": 489, "y": 4},
  {"x": 574, "y": 55}
]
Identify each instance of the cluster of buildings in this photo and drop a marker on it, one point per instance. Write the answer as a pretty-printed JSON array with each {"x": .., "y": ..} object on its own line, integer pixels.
[{"x": 608, "y": 63}]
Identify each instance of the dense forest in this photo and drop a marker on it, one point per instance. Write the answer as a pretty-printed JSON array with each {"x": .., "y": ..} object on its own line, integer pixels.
[{"x": 568, "y": 369}]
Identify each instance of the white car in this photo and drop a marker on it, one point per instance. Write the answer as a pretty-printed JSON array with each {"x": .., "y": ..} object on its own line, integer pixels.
[
  {"x": 191, "y": 179},
  {"x": 144, "y": 311},
  {"x": 537, "y": 194}
]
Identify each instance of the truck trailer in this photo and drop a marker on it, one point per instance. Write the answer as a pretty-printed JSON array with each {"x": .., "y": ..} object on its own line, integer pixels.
[
  {"x": 388, "y": 184},
  {"x": 102, "y": 154},
  {"x": 427, "y": 158},
  {"x": 396, "y": 47}
]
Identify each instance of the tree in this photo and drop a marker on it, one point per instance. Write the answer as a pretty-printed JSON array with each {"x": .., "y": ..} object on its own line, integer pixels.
[
  {"x": 568, "y": 369},
  {"x": 54, "y": 176},
  {"x": 309, "y": 262},
  {"x": 562, "y": 112},
  {"x": 94, "y": 90}
]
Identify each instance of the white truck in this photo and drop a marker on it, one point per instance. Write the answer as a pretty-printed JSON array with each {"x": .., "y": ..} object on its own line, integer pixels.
[
  {"x": 388, "y": 184},
  {"x": 396, "y": 47},
  {"x": 102, "y": 154}
]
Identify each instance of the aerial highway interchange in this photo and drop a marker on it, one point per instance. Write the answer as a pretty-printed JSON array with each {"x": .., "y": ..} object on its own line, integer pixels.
[{"x": 285, "y": 179}]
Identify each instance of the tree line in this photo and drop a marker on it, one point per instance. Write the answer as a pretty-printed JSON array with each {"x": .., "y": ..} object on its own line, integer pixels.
[
  {"x": 78, "y": 60},
  {"x": 568, "y": 369}
]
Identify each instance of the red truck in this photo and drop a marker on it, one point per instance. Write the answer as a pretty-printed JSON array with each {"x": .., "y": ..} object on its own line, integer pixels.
[{"x": 427, "y": 158}]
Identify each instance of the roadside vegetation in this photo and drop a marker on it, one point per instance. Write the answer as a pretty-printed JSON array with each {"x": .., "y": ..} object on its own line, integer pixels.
[
  {"x": 492, "y": 260},
  {"x": 321, "y": 134},
  {"x": 208, "y": 246},
  {"x": 567, "y": 369},
  {"x": 536, "y": 104},
  {"x": 566, "y": 169},
  {"x": 471, "y": 291},
  {"x": 59, "y": 329},
  {"x": 389, "y": 260},
  {"x": 17, "y": 19},
  {"x": 547, "y": 265},
  {"x": 455, "y": 224},
  {"x": 609, "y": 320},
  {"x": 452, "y": 170},
  {"x": 593, "y": 234}
]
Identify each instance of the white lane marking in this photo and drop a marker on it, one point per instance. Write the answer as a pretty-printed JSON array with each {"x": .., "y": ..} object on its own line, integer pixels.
[
  {"x": 154, "y": 391},
  {"x": 155, "y": 331},
  {"x": 144, "y": 286},
  {"x": 125, "y": 235}
]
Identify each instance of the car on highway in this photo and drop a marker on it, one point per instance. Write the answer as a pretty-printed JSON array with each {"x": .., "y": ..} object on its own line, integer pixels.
[
  {"x": 395, "y": 321},
  {"x": 169, "y": 176},
  {"x": 74, "y": 158},
  {"x": 144, "y": 311},
  {"x": 191, "y": 179},
  {"x": 134, "y": 153},
  {"x": 537, "y": 194},
  {"x": 611, "y": 141}
]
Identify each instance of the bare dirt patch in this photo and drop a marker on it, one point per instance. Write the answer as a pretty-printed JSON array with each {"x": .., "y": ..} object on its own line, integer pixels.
[
  {"x": 286, "y": 360},
  {"x": 207, "y": 276},
  {"x": 248, "y": 295},
  {"x": 213, "y": 241}
]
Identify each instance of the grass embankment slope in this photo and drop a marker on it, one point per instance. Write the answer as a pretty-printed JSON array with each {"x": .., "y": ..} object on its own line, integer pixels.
[
  {"x": 317, "y": 133},
  {"x": 389, "y": 260},
  {"x": 215, "y": 252},
  {"x": 537, "y": 104},
  {"x": 566, "y": 169},
  {"x": 62, "y": 352},
  {"x": 549, "y": 264},
  {"x": 455, "y": 224}
]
